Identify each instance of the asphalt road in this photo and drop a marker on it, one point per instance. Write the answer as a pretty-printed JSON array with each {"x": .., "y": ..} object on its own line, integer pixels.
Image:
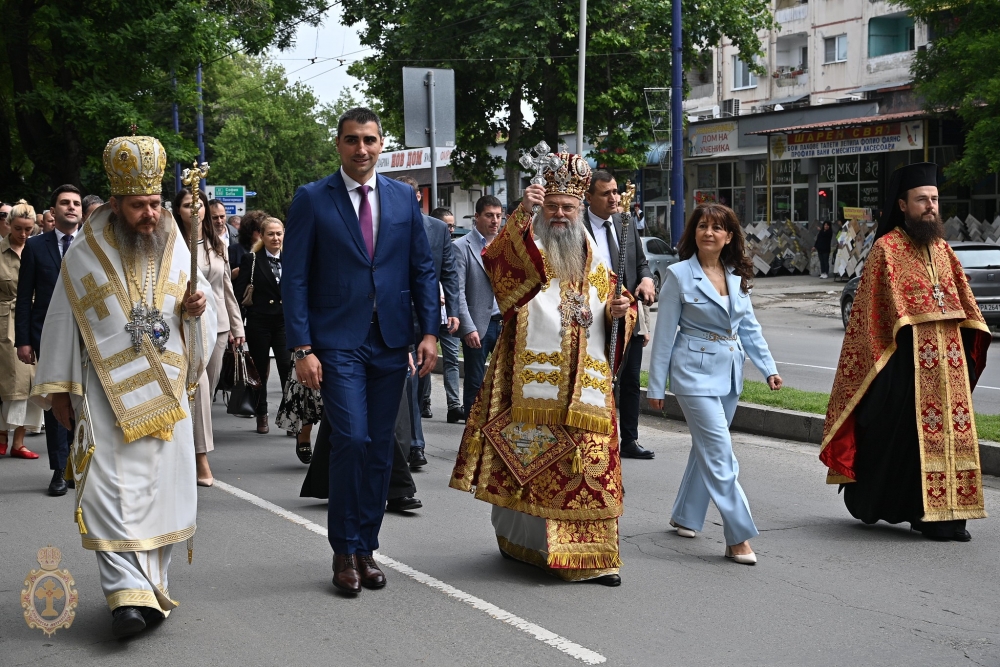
[
  {"x": 800, "y": 316},
  {"x": 827, "y": 590}
]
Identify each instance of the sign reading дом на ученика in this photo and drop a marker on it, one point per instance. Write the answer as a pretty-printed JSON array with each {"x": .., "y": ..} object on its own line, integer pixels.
[
  {"x": 233, "y": 197},
  {"x": 883, "y": 138},
  {"x": 714, "y": 139}
]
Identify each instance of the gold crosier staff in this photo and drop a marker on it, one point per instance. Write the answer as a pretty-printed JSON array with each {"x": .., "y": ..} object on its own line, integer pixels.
[
  {"x": 626, "y": 204},
  {"x": 191, "y": 178}
]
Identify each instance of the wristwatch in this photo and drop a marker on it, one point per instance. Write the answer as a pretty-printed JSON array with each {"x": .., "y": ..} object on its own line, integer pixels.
[{"x": 302, "y": 354}]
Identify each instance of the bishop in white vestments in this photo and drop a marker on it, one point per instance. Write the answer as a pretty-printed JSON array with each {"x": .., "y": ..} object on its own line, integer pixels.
[{"x": 122, "y": 330}]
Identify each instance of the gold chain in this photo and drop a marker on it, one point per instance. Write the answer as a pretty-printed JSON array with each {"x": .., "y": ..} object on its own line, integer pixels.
[{"x": 148, "y": 277}]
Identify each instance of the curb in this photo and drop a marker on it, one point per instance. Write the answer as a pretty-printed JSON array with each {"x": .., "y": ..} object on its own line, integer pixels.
[{"x": 793, "y": 425}]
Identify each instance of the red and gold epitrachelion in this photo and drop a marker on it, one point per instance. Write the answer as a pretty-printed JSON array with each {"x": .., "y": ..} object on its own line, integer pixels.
[{"x": 897, "y": 289}]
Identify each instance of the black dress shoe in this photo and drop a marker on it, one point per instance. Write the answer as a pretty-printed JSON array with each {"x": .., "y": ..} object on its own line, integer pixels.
[
  {"x": 607, "y": 580},
  {"x": 151, "y": 615},
  {"x": 417, "y": 458},
  {"x": 630, "y": 449},
  {"x": 425, "y": 412},
  {"x": 71, "y": 483},
  {"x": 404, "y": 504},
  {"x": 127, "y": 621},
  {"x": 939, "y": 531},
  {"x": 57, "y": 487},
  {"x": 456, "y": 415}
]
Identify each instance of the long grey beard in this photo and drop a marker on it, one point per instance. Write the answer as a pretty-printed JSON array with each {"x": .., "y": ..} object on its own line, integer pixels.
[
  {"x": 564, "y": 247},
  {"x": 134, "y": 246}
]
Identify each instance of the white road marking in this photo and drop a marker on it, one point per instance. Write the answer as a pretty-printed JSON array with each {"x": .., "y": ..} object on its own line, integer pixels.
[
  {"x": 788, "y": 363},
  {"x": 572, "y": 649}
]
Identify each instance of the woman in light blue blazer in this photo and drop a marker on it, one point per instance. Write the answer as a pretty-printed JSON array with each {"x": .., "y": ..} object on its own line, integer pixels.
[{"x": 705, "y": 329}]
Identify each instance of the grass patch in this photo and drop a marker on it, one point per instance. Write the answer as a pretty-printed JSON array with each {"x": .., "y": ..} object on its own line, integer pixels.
[{"x": 758, "y": 393}]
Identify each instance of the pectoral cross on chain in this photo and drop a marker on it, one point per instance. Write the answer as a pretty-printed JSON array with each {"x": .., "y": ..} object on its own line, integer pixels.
[
  {"x": 138, "y": 326},
  {"x": 938, "y": 296}
]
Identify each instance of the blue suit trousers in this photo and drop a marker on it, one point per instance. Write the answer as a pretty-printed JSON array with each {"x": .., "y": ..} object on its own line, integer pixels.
[
  {"x": 712, "y": 469},
  {"x": 361, "y": 391}
]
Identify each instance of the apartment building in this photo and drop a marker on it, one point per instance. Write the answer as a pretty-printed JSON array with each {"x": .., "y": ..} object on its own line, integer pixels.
[{"x": 819, "y": 132}]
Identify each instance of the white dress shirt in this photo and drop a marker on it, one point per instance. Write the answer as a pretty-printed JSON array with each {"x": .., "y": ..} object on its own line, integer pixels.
[
  {"x": 353, "y": 189},
  {"x": 600, "y": 239},
  {"x": 278, "y": 256}
]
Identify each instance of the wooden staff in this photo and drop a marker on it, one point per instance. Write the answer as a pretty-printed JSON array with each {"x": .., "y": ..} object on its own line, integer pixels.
[{"x": 626, "y": 204}]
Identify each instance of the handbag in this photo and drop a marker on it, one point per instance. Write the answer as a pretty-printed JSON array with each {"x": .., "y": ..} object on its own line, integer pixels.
[
  {"x": 248, "y": 292},
  {"x": 227, "y": 377},
  {"x": 243, "y": 398}
]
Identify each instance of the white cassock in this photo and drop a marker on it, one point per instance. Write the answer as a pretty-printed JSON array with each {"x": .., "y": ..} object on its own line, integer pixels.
[{"x": 136, "y": 486}]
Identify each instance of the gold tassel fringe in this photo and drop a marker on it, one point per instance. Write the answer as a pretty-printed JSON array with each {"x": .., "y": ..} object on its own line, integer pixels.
[
  {"x": 584, "y": 561},
  {"x": 79, "y": 521},
  {"x": 158, "y": 425},
  {"x": 577, "y": 467},
  {"x": 561, "y": 417},
  {"x": 474, "y": 446}
]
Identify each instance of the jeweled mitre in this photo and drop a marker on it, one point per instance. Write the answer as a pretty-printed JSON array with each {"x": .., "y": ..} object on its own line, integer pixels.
[
  {"x": 566, "y": 174},
  {"x": 135, "y": 165}
]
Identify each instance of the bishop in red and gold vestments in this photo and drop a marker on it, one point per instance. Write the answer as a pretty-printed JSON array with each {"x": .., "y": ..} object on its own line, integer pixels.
[
  {"x": 540, "y": 442},
  {"x": 900, "y": 432}
]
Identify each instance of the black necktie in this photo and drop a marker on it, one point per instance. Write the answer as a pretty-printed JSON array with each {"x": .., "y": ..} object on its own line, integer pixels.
[{"x": 609, "y": 229}]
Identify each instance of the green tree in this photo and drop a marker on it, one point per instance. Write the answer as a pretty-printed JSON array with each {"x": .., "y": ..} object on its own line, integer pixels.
[
  {"x": 507, "y": 53},
  {"x": 76, "y": 74},
  {"x": 960, "y": 72},
  {"x": 267, "y": 134}
]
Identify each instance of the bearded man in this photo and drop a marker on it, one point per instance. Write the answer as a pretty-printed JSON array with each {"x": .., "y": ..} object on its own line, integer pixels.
[
  {"x": 900, "y": 433},
  {"x": 540, "y": 442},
  {"x": 117, "y": 336}
]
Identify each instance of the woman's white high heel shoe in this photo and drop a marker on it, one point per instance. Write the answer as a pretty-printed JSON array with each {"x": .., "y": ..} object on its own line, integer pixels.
[
  {"x": 682, "y": 531},
  {"x": 742, "y": 559}
]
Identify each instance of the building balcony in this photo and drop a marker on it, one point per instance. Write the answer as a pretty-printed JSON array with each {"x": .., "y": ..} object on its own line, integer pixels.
[
  {"x": 789, "y": 77},
  {"x": 796, "y": 13}
]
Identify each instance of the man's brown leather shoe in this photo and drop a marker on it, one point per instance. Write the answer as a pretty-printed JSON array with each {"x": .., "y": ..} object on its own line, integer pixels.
[
  {"x": 345, "y": 573},
  {"x": 262, "y": 424},
  {"x": 371, "y": 575}
]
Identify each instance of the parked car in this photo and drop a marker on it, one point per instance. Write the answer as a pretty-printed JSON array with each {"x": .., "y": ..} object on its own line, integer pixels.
[
  {"x": 460, "y": 232},
  {"x": 660, "y": 256},
  {"x": 981, "y": 262}
]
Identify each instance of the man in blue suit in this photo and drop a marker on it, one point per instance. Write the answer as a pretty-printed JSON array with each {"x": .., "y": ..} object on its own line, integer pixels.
[
  {"x": 355, "y": 257},
  {"x": 41, "y": 260}
]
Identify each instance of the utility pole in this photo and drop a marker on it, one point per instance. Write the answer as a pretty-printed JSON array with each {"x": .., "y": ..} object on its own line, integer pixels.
[
  {"x": 432, "y": 135},
  {"x": 580, "y": 76},
  {"x": 677, "y": 128}
]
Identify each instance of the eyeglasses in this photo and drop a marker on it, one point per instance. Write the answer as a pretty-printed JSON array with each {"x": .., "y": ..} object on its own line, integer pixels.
[
  {"x": 3, "y": 215},
  {"x": 556, "y": 208}
]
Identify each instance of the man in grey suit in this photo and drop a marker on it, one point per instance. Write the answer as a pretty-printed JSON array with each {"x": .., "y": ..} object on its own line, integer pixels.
[
  {"x": 604, "y": 224},
  {"x": 442, "y": 253},
  {"x": 480, "y": 332}
]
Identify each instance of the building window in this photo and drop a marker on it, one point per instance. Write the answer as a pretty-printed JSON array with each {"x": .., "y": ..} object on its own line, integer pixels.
[
  {"x": 835, "y": 49},
  {"x": 742, "y": 76},
  {"x": 890, "y": 34}
]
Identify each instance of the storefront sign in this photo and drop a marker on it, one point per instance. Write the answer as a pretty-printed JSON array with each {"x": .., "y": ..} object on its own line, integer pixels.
[
  {"x": 714, "y": 139},
  {"x": 418, "y": 158},
  {"x": 849, "y": 141}
]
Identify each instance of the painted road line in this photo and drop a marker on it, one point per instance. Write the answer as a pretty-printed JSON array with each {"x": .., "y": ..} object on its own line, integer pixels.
[
  {"x": 788, "y": 363},
  {"x": 572, "y": 649}
]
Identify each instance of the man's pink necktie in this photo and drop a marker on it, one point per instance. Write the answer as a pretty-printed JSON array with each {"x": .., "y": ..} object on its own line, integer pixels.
[{"x": 365, "y": 218}]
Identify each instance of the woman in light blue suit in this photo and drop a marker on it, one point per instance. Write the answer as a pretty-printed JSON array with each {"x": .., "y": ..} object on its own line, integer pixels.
[{"x": 705, "y": 329}]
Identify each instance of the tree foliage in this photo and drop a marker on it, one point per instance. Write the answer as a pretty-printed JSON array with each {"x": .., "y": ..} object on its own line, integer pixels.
[
  {"x": 960, "y": 72},
  {"x": 76, "y": 74},
  {"x": 267, "y": 134},
  {"x": 506, "y": 53}
]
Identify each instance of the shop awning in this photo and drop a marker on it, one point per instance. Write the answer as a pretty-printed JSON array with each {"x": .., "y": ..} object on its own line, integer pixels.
[
  {"x": 658, "y": 151},
  {"x": 736, "y": 152},
  {"x": 785, "y": 100},
  {"x": 880, "y": 86},
  {"x": 847, "y": 122}
]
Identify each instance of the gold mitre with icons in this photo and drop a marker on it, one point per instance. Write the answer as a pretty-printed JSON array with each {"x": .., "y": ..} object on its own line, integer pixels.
[
  {"x": 565, "y": 174},
  {"x": 135, "y": 165}
]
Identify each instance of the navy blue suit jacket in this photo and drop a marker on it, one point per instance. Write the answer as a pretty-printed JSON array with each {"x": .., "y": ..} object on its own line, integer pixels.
[
  {"x": 36, "y": 279},
  {"x": 330, "y": 286}
]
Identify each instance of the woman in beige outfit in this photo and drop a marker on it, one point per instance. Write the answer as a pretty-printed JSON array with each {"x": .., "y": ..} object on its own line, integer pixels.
[
  {"x": 17, "y": 414},
  {"x": 213, "y": 259}
]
